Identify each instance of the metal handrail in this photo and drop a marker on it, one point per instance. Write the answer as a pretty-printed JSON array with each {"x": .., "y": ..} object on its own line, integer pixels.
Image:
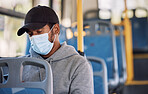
[
  {"x": 114, "y": 82},
  {"x": 122, "y": 79}
]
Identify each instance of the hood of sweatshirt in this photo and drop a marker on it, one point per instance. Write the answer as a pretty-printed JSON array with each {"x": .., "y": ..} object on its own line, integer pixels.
[{"x": 63, "y": 52}]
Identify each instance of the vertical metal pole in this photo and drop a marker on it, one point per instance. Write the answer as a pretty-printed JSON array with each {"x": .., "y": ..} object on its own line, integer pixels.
[
  {"x": 128, "y": 46},
  {"x": 80, "y": 27}
]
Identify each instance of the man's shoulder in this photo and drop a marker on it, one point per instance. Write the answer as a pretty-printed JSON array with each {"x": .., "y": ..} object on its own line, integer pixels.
[{"x": 79, "y": 60}]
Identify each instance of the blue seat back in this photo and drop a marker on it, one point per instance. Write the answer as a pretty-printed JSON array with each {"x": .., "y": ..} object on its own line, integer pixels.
[{"x": 140, "y": 32}]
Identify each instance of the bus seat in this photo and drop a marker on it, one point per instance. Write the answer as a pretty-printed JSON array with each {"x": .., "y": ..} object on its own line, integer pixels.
[
  {"x": 140, "y": 31},
  {"x": 102, "y": 45},
  {"x": 14, "y": 83},
  {"x": 101, "y": 75}
]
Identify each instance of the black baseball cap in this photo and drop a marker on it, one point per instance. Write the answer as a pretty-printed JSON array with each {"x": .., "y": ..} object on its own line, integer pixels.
[{"x": 37, "y": 18}]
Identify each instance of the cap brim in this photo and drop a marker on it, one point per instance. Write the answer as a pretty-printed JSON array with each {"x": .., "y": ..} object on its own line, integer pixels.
[{"x": 32, "y": 26}]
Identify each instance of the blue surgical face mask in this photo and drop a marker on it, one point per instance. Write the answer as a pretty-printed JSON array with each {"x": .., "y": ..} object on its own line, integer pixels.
[{"x": 40, "y": 43}]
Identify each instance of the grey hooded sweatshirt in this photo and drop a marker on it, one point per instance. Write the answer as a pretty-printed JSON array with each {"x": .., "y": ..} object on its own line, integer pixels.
[{"x": 72, "y": 74}]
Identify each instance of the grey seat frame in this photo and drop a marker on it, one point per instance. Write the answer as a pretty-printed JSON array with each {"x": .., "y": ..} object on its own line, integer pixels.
[
  {"x": 102, "y": 73},
  {"x": 122, "y": 79},
  {"x": 15, "y": 66}
]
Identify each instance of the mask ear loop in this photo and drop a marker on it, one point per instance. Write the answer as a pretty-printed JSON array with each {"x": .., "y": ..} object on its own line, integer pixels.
[{"x": 51, "y": 29}]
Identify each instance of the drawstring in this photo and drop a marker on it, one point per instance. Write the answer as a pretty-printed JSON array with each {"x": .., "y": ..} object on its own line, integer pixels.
[{"x": 49, "y": 60}]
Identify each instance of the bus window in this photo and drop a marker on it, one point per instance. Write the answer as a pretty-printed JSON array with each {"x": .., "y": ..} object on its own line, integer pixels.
[{"x": 12, "y": 45}]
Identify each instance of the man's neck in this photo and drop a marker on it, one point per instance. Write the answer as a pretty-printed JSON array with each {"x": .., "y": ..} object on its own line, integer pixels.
[{"x": 54, "y": 49}]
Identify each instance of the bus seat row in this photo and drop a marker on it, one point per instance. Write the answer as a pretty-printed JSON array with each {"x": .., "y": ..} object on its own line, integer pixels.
[{"x": 106, "y": 46}]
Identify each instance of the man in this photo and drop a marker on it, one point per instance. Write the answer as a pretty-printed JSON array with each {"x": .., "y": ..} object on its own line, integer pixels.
[{"x": 72, "y": 74}]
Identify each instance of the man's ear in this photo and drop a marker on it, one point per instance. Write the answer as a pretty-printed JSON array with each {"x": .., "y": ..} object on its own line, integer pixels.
[{"x": 57, "y": 29}]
